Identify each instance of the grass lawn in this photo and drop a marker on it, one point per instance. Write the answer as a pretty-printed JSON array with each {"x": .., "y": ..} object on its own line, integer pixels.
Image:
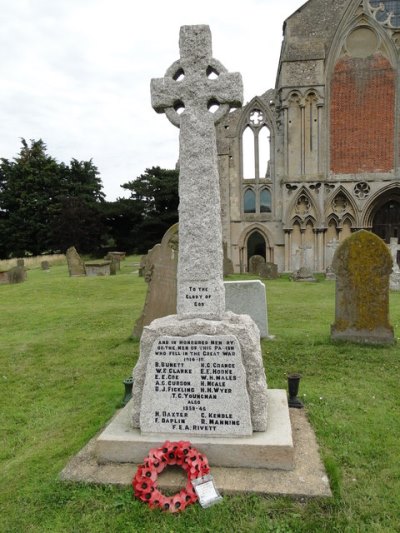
[{"x": 65, "y": 349}]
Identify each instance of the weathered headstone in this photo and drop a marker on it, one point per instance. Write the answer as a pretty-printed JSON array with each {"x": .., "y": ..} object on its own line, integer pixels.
[
  {"x": 20, "y": 262},
  {"x": 394, "y": 280},
  {"x": 362, "y": 264},
  {"x": 160, "y": 273},
  {"x": 45, "y": 265},
  {"x": 4, "y": 277},
  {"x": 142, "y": 265},
  {"x": 76, "y": 266},
  {"x": 201, "y": 370},
  {"x": 256, "y": 264},
  {"x": 17, "y": 274},
  {"x": 119, "y": 255},
  {"x": 101, "y": 268},
  {"x": 271, "y": 271},
  {"x": 159, "y": 268},
  {"x": 228, "y": 265},
  {"x": 329, "y": 273},
  {"x": 303, "y": 274}
]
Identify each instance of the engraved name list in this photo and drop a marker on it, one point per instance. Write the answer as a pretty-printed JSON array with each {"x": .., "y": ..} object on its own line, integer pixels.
[{"x": 196, "y": 385}]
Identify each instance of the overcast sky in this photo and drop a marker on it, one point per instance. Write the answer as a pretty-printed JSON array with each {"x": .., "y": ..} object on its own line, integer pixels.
[{"x": 76, "y": 73}]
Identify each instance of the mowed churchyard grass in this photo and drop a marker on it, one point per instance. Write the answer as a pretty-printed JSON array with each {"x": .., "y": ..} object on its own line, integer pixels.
[{"x": 65, "y": 349}]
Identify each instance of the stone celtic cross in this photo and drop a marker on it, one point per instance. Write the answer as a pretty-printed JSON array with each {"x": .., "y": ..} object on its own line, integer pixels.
[{"x": 192, "y": 88}]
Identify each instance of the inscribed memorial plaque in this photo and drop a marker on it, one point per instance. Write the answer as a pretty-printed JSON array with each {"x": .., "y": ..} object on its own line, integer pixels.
[{"x": 196, "y": 385}]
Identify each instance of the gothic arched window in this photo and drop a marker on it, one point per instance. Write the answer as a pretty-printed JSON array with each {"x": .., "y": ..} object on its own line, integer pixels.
[
  {"x": 265, "y": 201},
  {"x": 255, "y": 161},
  {"x": 249, "y": 201}
]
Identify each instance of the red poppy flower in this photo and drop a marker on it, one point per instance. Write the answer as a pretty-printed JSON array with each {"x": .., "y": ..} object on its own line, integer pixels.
[{"x": 170, "y": 453}]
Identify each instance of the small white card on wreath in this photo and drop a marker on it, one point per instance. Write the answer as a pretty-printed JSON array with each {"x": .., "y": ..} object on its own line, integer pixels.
[{"x": 206, "y": 491}]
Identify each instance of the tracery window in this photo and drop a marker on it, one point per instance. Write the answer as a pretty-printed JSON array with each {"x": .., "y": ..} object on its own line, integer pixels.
[
  {"x": 386, "y": 12},
  {"x": 256, "y": 147},
  {"x": 255, "y": 163}
]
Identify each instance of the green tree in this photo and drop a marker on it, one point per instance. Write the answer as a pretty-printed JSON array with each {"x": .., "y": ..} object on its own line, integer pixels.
[
  {"x": 122, "y": 219},
  {"x": 77, "y": 216},
  {"x": 46, "y": 205},
  {"x": 155, "y": 194}
]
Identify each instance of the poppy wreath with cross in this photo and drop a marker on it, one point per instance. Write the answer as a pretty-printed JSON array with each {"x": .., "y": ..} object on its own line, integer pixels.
[{"x": 171, "y": 453}]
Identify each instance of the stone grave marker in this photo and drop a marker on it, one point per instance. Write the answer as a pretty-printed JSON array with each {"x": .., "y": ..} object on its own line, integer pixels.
[
  {"x": 362, "y": 264},
  {"x": 394, "y": 280},
  {"x": 228, "y": 265},
  {"x": 159, "y": 268},
  {"x": 17, "y": 274},
  {"x": 200, "y": 372},
  {"x": 271, "y": 271},
  {"x": 248, "y": 298},
  {"x": 45, "y": 265},
  {"x": 303, "y": 274},
  {"x": 100, "y": 268},
  {"x": 4, "y": 277},
  {"x": 76, "y": 266},
  {"x": 256, "y": 265},
  {"x": 159, "y": 272}
]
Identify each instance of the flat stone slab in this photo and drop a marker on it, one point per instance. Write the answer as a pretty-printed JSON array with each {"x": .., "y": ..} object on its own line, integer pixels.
[
  {"x": 273, "y": 448},
  {"x": 308, "y": 478},
  {"x": 248, "y": 298}
]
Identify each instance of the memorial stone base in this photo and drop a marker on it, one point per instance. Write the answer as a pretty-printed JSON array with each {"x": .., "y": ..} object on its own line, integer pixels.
[
  {"x": 200, "y": 377},
  {"x": 203, "y": 381},
  {"x": 272, "y": 449}
]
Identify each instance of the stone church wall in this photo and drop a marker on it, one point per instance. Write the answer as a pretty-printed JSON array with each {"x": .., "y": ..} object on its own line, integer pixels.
[{"x": 333, "y": 144}]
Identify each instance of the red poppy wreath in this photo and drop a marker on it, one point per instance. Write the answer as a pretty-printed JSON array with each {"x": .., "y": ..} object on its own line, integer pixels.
[{"x": 171, "y": 453}]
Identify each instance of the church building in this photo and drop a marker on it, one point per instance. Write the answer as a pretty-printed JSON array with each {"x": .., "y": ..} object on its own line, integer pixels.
[{"x": 307, "y": 163}]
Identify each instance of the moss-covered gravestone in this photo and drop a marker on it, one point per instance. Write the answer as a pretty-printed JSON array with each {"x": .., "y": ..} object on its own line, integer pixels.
[{"x": 362, "y": 264}]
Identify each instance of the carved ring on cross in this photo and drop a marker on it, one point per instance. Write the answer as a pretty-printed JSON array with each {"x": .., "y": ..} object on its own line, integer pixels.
[{"x": 175, "y": 72}]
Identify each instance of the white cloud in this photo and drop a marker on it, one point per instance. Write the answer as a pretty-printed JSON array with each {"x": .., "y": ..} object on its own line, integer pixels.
[{"x": 76, "y": 73}]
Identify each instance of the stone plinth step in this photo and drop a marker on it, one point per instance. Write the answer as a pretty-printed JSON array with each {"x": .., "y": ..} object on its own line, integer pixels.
[{"x": 272, "y": 449}]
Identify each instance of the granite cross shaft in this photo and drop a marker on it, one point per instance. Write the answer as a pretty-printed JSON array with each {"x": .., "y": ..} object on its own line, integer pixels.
[{"x": 195, "y": 85}]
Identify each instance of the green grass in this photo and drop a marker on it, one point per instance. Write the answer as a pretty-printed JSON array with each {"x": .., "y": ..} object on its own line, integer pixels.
[{"x": 65, "y": 349}]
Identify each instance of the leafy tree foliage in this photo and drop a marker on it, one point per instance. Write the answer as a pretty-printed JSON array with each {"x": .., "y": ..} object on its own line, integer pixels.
[
  {"x": 155, "y": 200},
  {"x": 46, "y": 206},
  {"x": 122, "y": 219}
]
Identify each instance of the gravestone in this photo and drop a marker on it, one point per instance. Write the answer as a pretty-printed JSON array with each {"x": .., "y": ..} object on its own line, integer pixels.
[
  {"x": 45, "y": 265},
  {"x": 200, "y": 372},
  {"x": 142, "y": 265},
  {"x": 17, "y": 274},
  {"x": 159, "y": 271},
  {"x": 4, "y": 277},
  {"x": 248, "y": 298},
  {"x": 118, "y": 256},
  {"x": 271, "y": 271},
  {"x": 256, "y": 265},
  {"x": 159, "y": 268},
  {"x": 362, "y": 264},
  {"x": 228, "y": 265},
  {"x": 76, "y": 266},
  {"x": 329, "y": 273},
  {"x": 303, "y": 274},
  {"x": 20, "y": 262},
  {"x": 394, "y": 280},
  {"x": 101, "y": 268}
]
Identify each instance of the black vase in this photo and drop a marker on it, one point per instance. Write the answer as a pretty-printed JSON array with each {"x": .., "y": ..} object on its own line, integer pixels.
[
  {"x": 128, "y": 383},
  {"x": 293, "y": 387}
]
